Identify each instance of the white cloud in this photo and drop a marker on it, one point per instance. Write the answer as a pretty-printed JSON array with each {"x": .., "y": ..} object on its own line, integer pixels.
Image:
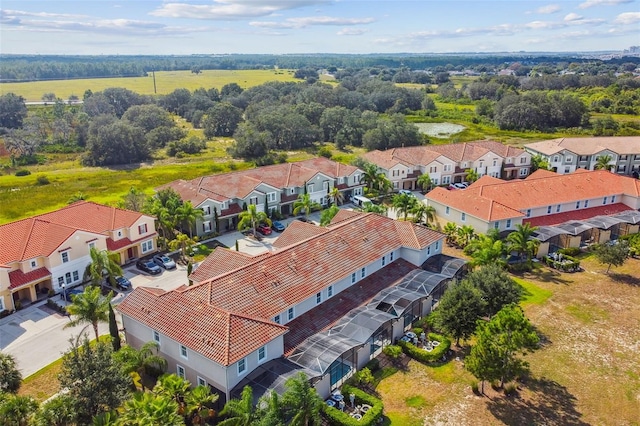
[
  {"x": 572, "y": 17},
  {"x": 304, "y": 22},
  {"x": 591, "y": 3},
  {"x": 543, "y": 25},
  {"x": 627, "y": 18},
  {"x": 351, "y": 31},
  {"x": 548, "y": 9},
  {"x": 231, "y": 9}
]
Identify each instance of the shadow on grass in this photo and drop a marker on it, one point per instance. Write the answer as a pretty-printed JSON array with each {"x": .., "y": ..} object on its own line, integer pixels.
[
  {"x": 548, "y": 276},
  {"x": 551, "y": 404},
  {"x": 625, "y": 279},
  {"x": 544, "y": 339}
]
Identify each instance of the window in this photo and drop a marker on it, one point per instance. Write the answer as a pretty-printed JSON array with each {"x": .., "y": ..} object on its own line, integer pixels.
[
  {"x": 142, "y": 229},
  {"x": 577, "y": 205},
  {"x": 291, "y": 313},
  {"x": 463, "y": 217},
  {"x": 60, "y": 282},
  {"x": 613, "y": 199},
  {"x": 391, "y": 257},
  {"x": 180, "y": 371},
  {"x": 433, "y": 169},
  {"x": 67, "y": 278},
  {"x": 556, "y": 158},
  {"x": 567, "y": 169},
  {"x": 568, "y": 158},
  {"x": 147, "y": 246},
  {"x": 310, "y": 187},
  {"x": 509, "y": 160},
  {"x": 446, "y": 210},
  {"x": 156, "y": 337},
  {"x": 201, "y": 381},
  {"x": 395, "y": 185},
  {"x": 437, "y": 245},
  {"x": 363, "y": 272},
  {"x": 242, "y": 366},
  {"x": 446, "y": 180},
  {"x": 276, "y": 319},
  {"x": 330, "y": 291},
  {"x": 508, "y": 223},
  {"x": 583, "y": 158},
  {"x": 119, "y": 234},
  {"x": 253, "y": 200},
  {"x": 76, "y": 276},
  {"x": 604, "y": 200},
  {"x": 395, "y": 173},
  {"x": 65, "y": 256},
  {"x": 528, "y": 212},
  {"x": 34, "y": 264},
  {"x": 496, "y": 225},
  {"x": 318, "y": 298},
  {"x": 206, "y": 210},
  {"x": 428, "y": 250},
  {"x": 548, "y": 210},
  {"x": 271, "y": 197},
  {"x": 206, "y": 226},
  {"x": 384, "y": 260},
  {"x": 524, "y": 172},
  {"x": 262, "y": 354},
  {"x": 586, "y": 203},
  {"x": 523, "y": 160},
  {"x": 434, "y": 181},
  {"x": 224, "y": 205},
  {"x": 1, "y": 304},
  {"x": 636, "y": 157},
  {"x": 353, "y": 278},
  {"x": 447, "y": 167},
  {"x": 183, "y": 352},
  {"x": 92, "y": 245},
  {"x": 495, "y": 162}
]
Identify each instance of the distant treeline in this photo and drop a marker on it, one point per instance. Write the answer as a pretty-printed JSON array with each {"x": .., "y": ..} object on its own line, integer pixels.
[{"x": 42, "y": 67}]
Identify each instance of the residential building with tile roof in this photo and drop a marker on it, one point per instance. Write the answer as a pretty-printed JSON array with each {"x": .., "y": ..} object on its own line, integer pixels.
[
  {"x": 269, "y": 187},
  {"x": 565, "y": 155},
  {"x": 235, "y": 316},
  {"x": 51, "y": 250},
  {"x": 447, "y": 164},
  {"x": 544, "y": 198}
]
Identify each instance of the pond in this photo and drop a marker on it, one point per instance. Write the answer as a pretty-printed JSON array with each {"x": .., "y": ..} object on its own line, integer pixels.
[{"x": 439, "y": 130}]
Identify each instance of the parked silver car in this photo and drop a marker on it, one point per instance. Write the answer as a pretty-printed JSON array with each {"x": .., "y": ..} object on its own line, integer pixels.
[{"x": 164, "y": 261}]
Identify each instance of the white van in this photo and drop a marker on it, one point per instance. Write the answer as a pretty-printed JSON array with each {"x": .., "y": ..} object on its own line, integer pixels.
[{"x": 360, "y": 201}]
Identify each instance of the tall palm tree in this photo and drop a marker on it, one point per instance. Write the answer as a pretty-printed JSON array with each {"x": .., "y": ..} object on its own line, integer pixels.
[
  {"x": 302, "y": 401},
  {"x": 164, "y": 206},
  {"x": 327, "y": 215},
  {"x": 404, "y": 203},
  {"x": 336, "y": 196},
  {"x": 465, "y": 234},
  {"x": 141, "y": 362},
  {"x": 183, "y": 243},
  {"x": 198, "y": 404},
  {"x": 89, "y": 307},
  {"x": 450, "y": 230},
  {"x": 471, "y": 175},
  {"x": 173, "y": 387},
  {"x": 486, "y": 250},
  {"x": 424, "y": 181},
  {"x": 150, "y": 409},
  {"x": 251, "y": 218},
  {"x": 602, "y": 163},
  {"x": 103, "y": 261},
  {"x": 271, "y": 410},
  {"x": 305, "y": 204},
  {"x": 239, "y": 412},
  {"x": 422, "y": 212},
  {"x": 520, "y": 240},
  {"x": 370, "y": 175},
  {"x": 188, "y": 216}
]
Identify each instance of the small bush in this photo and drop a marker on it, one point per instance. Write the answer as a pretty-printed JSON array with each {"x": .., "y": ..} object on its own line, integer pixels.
[
  {"x": 418, "y": 331},
  {"x": 42, "y": 180},
  {"x": 392, "y": 351},
  {"x": 475, "y": 387},
  {"x": 510, "y": 389},
  {"x": 373, "y": 365},
  {"x": 337, "y": 417},
  {"x": 325, "y": 151},
  {"x": 23, "y": 172},
  {"x": 421, "y": 355},
  {"x": 570, "y": 251}
]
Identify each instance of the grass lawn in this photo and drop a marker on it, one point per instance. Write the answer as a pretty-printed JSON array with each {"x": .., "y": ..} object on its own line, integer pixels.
[
  {"x": 43, "y": 383},
  {"x": 166, "y": 82},
  {"x": 586, "y": 371}
]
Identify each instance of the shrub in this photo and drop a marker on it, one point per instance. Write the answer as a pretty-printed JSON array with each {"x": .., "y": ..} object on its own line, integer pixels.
[
  {"x": 373, "y": 365},
  {"x": 23, "y": 172},
  {"x": 18, "y": 305},
  {"x": 422, "y": 355},
  {"x": 337, "y": 417},
  {"x": 325, "y": 151},
  {"x": 570, "y": 251},
  {"x": 42, "y": 180},
  {"x": 392, "y": 351},
  {"x": 418, "y": 330},
  {"x": 363, "y": 377},
  {"x": 475, "y": 387},
  {"x": 510, "y": 389}
]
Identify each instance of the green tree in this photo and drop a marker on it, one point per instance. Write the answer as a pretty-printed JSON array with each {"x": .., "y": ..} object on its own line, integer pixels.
[
  {"x": 89, "y": 307},
  {"x": 16, "y": 410},
  {"x": 464, "y": 235},
  {"x": 613, "y": 254},
  {"x": 133, "y": 200},
  {"x": 486, "y": 250},
  {"x": 149, "y": 117},
  {"x": 497, "y": 287},
  {"x": 423, "y": 213},
  {"x": 13, "y": 111},
  {"x": 164, "y": 205},
  {"x": 471, "y": 175},
  {"x": 183, "y": 243},
  {"x": 425, "y": 182},
  {"x": 336, "y": 196},
  {"x": 270, "y": 410},
  {"x": 459, "y": 309},
  {"x": 199, "y": 402},
  {"x": 522, "y": 242},
  {"x": 499, "y": 342},
  {"x": 451, "y": 231},
  {"x": 239, "y": 412},
  {"x": 404, "y": 204},
  {"x": 56, "y": 412},
  {"x": 188, "y": 216},
  {"x": 146, "y": 409},
  {"x": 305, "y": 205},
  {"x": 113, "y": 330},
  {"x": 301, "y": 401},
  {"x": 173, "y": 387},
  {"x": 10, "y": 376},
  {"x": 108, "y": 418},
  {"x": 103, "y": 261},
  {"x": 116, "y": 143},
  {"x": 603, "y": 163},
  {"x": 95, "y": 382},
  {"x": 328, "y": 214},
  {"x": 374, "y": 208},
  {"x": 251, "y": 218},
  {"x": 78, "y": 196},
  {"x": 140, "y": 363},
  {"x": 221, "y": 120},
  {"x": 539, "y": 162}
]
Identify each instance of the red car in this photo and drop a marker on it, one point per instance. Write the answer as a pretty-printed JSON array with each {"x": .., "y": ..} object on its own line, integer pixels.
[{"x": 264, "y": 229}]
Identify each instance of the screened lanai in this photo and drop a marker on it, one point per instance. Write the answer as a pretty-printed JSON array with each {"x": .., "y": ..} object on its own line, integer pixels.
[
  {"x": 319, "y": 351},
  {"x": 361, "y": 323},
  {"x": 427, "y": 283},
  {"x": 630, "y": 216}
]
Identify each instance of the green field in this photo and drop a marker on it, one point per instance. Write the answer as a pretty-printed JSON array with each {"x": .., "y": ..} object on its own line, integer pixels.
[{"x": 166, "y": 82}]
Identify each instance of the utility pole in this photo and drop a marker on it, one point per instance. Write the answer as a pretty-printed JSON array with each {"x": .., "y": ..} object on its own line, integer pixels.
[{"x": 154, "y": 81}]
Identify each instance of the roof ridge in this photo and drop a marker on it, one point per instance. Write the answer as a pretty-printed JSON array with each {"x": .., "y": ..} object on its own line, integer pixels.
[{"x": 25, "y": 241}]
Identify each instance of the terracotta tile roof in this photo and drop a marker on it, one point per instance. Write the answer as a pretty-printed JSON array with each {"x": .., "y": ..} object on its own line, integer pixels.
[
  {"x": 541, "y": 173},
  {"x": 296, "y": 232},
  {"x": 580, "y": 214},
  {"x": 471, "y": 203},
  {"x": 485, "y": 180},
  {"x": 234, "y": 209},
  {"x": 589, "y": 146},
  {"x": 220, "y": 262},
  {"x": 41, "y": 235},
  {"x": 384, "y": 159},
  {"x": 343, "y": 215},
  {"x": 219, "y": 335},
  {"x": 124, "y": 242},
  {"x": 18, "y": 278}
]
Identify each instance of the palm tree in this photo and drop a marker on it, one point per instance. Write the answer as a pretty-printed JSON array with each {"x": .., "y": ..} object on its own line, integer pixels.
[
  {"x": 302, "y": 401},
  {"x": 150, "y": 409},
  {"x": 520, "y": 240},
  {"x": 133, "y": 200},
  {"x": 183, "y": 243},
  {"x": 251, "y": 218},
  {"x": 139, "y": 363},
  {"x": 471, "y": 175},
  {"x": 188, "y": 216},
  {"x": 89, "y": 307},
  {"x": 198, "y": 404},
  {"x": 173, "y": 387},
  {"x": 424, "y": 181},
  {"x": 374, "y": 208},
  {"x": 370, "y": 175},
  {"x": 602, "y": 163},
  {"x": 451, "y": 230},
  {"x": 16, "y": 410},
  {"x": 78, "y": 196},
  {"x": 464, "y": 235},
  {"x": 422, "y": 212},
  {"x": 164, "y": 206},
  {"x": 336, "y": 196},
  {"x": 486, "y": 250},
  {"x": 103, "y": 261},
  {"x": 328, "y": 214},
  {"x": 305, "y": 204},
  {"x": 270, "y": 410},
  {"x": 404, "y": 203},
  {"x": 58, "y": 411},
  {"x": 108, "y": 418},
  {"x": 240, "y": 412}
]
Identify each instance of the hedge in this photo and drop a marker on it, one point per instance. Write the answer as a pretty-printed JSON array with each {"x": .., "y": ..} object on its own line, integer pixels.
[
  {"x": 338, "y": 418},
  {"x": 424, "y": 356}
]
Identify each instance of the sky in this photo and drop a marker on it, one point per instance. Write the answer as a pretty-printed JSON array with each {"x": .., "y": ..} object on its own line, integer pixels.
[{"x": 183, "y": 27}]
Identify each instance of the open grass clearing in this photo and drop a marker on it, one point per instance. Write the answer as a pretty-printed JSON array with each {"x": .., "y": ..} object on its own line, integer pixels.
[{"x": 42, "y": 384}]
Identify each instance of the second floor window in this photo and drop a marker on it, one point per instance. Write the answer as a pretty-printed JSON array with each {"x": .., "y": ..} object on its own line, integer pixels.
[
  {"x": 253, "y": 200},
  {"x": 142, "y": 229},
  {"x": 206, "y": 210},
  {"x": 65, "y": 256},
  {"x": 271, "y": 197},
  {"x": 290, "y": 314},
  {"x": 310, "y": 187}
]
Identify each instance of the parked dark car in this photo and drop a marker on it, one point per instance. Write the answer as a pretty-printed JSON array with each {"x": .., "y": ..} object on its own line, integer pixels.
[
  {"x": 148, "y": 266},
  {"x": 70, "y": 292},
  {"x": 123, "y": 283},
  {"x": 277, "y": 226},
  {"x": 164, "y": 261},
  {"x": 264, "y": 229}
]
